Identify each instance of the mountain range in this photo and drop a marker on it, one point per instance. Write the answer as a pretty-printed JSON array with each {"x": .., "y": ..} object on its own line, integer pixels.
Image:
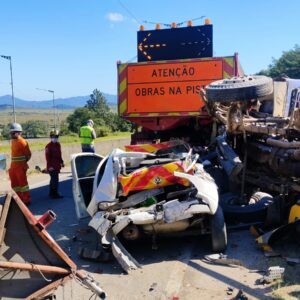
[{"x": 60, "y": 103}]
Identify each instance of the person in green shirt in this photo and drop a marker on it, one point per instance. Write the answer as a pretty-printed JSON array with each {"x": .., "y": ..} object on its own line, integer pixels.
[{"x": 87, "y": 137}]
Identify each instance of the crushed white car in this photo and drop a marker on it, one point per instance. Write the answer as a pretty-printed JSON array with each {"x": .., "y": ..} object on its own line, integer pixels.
[{"x": 134, "y": 194}]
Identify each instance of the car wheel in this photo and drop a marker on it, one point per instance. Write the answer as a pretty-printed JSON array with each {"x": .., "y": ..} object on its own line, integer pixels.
[
  {"x": 218, "y": 231},
  {"x": 255, "y": 211},
  {"x": 239, "y": 89}
]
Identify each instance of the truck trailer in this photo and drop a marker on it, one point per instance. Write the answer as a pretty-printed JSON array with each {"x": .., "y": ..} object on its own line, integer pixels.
[{"x": 160, "y": 92}]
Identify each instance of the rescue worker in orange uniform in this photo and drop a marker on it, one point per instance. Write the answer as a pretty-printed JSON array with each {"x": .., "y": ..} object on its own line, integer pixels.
[{"x": 20, "y": 155}]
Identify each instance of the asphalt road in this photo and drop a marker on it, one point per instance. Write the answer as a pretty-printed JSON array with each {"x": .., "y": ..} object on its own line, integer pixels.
[{"x": 176, "y": 268}]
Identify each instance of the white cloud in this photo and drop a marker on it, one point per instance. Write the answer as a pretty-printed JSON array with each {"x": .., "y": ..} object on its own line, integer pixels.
[{"x": 115, "y": 17}]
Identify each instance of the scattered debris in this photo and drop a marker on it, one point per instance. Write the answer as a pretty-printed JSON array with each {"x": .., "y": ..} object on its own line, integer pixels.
[
  {"x": 229, "y": 290},
  {"x": 153, "y": 286},
  {"x": 222, "y": 260},
  {"x": 273, "y": 273},
  {"x": 95, "y": 255},
  {"x": 256, "y": 231},
  {"x": 271, "y": 254},
  {"x": 240, "y": 296},
  {"x": 292, "y": 261}
]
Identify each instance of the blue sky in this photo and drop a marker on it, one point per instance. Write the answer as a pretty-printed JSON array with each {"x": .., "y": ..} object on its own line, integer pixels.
[{"x": 71, "y": 46}]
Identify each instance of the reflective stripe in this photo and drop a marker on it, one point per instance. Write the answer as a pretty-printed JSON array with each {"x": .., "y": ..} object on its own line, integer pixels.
[
  {"x": 17, "y": 188},
  {"x": 24, "y": 188},
  {"x": 21, "y": 189},
  {"x": 18, "y": 158}
]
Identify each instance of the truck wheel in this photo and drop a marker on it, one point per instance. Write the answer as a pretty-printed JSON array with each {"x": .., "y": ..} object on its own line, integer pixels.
[
  {"x": 239, "y": 89},
  {"x": 218, "y": 231},
  {"x": 255, "y": 211}
]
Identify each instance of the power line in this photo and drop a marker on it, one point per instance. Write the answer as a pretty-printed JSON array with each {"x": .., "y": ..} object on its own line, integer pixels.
[
  {"x": 130, "y": 60},
  {"x": 169, "y": 25},
  {"x": 195, "y": 19},
  {"x": 129, "y": 12},
  {"x": 150, "y": 22}
]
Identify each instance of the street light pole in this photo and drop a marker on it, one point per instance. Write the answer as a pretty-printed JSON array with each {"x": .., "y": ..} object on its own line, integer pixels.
[
  {"x": 12, "y": 85},
  {"x": 54, "y": 109}
]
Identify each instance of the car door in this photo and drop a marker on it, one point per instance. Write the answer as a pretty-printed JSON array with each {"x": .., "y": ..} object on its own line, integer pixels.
[{"x": 83, "y": 166}]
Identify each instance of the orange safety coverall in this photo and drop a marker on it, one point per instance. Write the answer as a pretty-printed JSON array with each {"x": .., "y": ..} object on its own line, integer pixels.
[{"x": 20, "y": 154}]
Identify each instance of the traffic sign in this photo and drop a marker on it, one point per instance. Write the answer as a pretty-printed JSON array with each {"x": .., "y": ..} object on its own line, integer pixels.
[{"x": 175, "y": 43}]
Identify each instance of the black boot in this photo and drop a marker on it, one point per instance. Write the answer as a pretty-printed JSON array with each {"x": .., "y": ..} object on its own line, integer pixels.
[
  {"x": 51, "y": 193},
  {"x": 56, "y": 195}
]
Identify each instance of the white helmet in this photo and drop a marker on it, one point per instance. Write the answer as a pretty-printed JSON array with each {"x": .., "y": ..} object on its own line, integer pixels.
[
  {"x": 15, "y": 127},
  {"x": 90, "y": 122}
]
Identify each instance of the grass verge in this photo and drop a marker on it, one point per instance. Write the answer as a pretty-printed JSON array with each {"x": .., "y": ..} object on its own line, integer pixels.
[{"x": 64, "y": 140}]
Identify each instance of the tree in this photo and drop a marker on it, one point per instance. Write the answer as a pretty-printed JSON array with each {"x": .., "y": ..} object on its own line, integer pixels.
[
  {"x": 64, "y": 128},
  {"x": 79, "y": 118},
  {"x": 98, "y": 104},
  {"x": 97, "y": 109},
  {"x": 288, "y": 64},
  {"x": 6, "y": 132},
  {"x": 123, "y": 125},
  {"x": 35, "y": 128}
]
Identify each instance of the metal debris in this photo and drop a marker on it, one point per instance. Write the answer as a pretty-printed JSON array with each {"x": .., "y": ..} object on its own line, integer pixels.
[
  {"x": 292, "y": 261},
  {"x": 240, "y": 296},
  {"x": 273, "y": 273},
  {"x": 32, "y": 264},
  {"x": 222, "y": 260}
]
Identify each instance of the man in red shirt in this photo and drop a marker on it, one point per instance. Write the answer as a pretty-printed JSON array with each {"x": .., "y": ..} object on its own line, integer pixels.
[
  {"x": 20, "y": 155},
  {"x": 54, "y": 163}
]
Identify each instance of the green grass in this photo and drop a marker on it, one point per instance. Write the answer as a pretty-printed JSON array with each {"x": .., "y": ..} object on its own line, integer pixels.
[
  {"x": 29, "y": 114},
  {"x": 65, "y": 140}
]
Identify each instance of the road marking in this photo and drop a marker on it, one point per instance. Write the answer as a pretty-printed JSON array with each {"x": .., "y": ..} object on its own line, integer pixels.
[{"x": 175, "y": 281}]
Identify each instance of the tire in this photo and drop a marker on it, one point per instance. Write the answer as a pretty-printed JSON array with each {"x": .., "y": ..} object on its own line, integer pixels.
[
  {"x": 218, "y": 231},
  {"x": 239, "y": 89},
  {"x": 251, "y": 213}
]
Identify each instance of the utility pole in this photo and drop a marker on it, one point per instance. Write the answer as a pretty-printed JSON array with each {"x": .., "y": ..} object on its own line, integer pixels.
[
  {"x": 54, "y": 109},
  {"x": 12, "y": 85}
]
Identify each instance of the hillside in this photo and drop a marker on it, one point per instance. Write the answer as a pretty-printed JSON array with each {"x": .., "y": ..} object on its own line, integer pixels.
[{"x": 60, "y": 103}]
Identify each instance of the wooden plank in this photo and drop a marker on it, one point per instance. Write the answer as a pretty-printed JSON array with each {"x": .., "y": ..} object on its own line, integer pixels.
[
  {"x": 4, "y": 217},
  {"x": 2, "y": 235}
]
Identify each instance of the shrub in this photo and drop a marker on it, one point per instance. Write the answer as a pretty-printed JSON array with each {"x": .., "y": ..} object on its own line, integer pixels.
[
  {"x": 102, "y": 131},
  {"x": 35, "y": 128}
]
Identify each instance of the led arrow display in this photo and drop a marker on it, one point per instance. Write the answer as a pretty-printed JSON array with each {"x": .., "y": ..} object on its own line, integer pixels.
[{"x": 175, "y": 43}]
